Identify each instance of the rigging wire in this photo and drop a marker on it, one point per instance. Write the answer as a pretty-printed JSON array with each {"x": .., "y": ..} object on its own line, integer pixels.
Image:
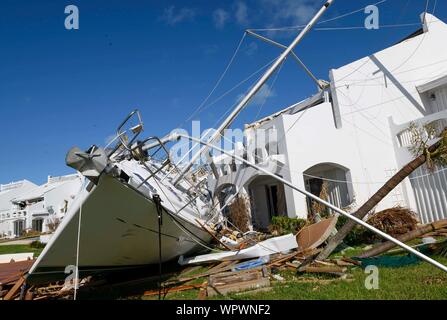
[
  {"x": 434, "y": 7},
  {"x": 321, "y": 22},
  {"x": 233, "y": 57},
  {"x": 387, "y": 26},
  {"x": 228, "y": 110},
  {"x": 76, "y": 284}
]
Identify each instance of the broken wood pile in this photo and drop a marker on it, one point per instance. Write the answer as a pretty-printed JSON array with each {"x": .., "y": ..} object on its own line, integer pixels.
[
  {"x": 12, "y": 278},
  {"x": 227, "y": 277}
]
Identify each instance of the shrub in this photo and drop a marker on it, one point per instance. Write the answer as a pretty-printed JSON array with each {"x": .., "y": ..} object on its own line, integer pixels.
[
  {"x": 358, "y": 235},
  {"x": 37, "y": 245},
  {"x": 286, "y": 225}
]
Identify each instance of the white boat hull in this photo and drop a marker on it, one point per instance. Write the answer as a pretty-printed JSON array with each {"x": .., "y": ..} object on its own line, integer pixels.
[{"x": 119, "y": 229}]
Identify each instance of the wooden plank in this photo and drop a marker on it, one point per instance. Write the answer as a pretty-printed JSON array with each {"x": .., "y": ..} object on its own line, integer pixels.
[
  {"x": 356, "y": 262},
  {"x": 14, "y": 290},
  {"x": 202, "y": 275},
  {"x": 174, "y": 289},
  {"x": 29, "y": 295},
  {"x": 342, "y": 263},
  {"x": 324, "y": 263},
  {"x": 326, "y": 269},
  {"x": 202, "y": 292},
  {"x": 221, "y": 265},
  {"x": 279, "y": 261},
  {"x": 237, "y": 287},
  {"x": 234, "y": 278},
  {"x": 292, "y": 265}
]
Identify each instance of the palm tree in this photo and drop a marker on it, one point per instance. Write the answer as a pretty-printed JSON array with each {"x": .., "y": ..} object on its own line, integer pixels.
[{"x": 424, "y": 154}]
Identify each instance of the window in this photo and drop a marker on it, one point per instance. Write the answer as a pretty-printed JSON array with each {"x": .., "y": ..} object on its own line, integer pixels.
[{"x": 434, "y": 95}]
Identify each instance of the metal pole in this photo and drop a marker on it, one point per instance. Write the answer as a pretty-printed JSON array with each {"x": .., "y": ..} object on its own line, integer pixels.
[
  {"x": 329, "y": 205},
  {"x": 254, "y": 90},
  {"x": 298, "y": 60}
]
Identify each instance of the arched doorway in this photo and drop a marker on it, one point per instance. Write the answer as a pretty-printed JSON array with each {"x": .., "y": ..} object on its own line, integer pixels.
[
  {"x": 267, "y": 201},
  {"x": 329, "y": 181}
]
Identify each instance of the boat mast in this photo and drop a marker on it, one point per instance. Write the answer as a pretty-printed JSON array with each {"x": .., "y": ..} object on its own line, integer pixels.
[{"x": 254, "y": 90}]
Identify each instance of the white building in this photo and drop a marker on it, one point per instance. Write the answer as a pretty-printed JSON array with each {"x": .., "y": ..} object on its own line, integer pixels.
[
  {"x": 25, "y": 206},
  {"x": 353, "y": 135}
]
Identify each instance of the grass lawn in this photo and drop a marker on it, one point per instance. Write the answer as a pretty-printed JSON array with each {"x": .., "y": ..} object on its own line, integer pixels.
[{"x": 20, "y": 249}]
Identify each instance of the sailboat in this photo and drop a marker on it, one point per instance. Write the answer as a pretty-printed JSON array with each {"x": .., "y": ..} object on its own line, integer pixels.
[{"x": 137, "y": 207}]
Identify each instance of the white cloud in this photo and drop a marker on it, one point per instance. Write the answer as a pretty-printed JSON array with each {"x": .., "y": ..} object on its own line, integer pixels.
[
  {"x": 172, "y": 16},
  {"x": 261, "y": 97},
  {"x": 251, "y": 49},
  {"x": 220, "y": 17},
  {"x": 290, "y": 11},
  {"x": 241, "y": 13}
]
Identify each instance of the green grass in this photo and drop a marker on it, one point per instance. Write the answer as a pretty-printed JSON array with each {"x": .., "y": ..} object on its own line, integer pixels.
[{"x": 8, "y": 249}]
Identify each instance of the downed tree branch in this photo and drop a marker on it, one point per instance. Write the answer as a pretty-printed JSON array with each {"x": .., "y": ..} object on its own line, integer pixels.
[{"x": 384, "y": 247}]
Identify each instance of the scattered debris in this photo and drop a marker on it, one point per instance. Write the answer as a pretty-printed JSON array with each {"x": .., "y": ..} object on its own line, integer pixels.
[
  {"x": 325, "y": 269},
  {"x": 15, "y": 289},
  {"x": 278, "y": 277},
  {"x": 264, "y": 248},
  {"x": 165, "y": 291}
]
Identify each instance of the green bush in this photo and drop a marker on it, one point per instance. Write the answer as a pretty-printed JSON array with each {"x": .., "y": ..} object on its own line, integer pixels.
[
  {"x": 358, "y": 235},
  {"x": 37, "y": 245},
  {"x": 286, "y": 225}
]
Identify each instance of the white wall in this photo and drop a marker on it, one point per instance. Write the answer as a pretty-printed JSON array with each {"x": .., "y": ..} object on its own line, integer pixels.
[{"x": 368, "y": 92}]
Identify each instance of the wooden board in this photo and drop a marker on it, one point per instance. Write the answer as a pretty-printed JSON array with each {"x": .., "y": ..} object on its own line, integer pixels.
[
  {"x": 237, "y": 282},
  {"x": 14, "y": 290},
  {"x": 325, "y": 269},
  {"x": 174, "y": 289},
  {"x": 312, "y": 236}
]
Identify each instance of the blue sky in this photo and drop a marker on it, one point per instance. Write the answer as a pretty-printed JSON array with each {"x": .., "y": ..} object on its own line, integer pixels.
[{"x": 61, "y": 88}]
